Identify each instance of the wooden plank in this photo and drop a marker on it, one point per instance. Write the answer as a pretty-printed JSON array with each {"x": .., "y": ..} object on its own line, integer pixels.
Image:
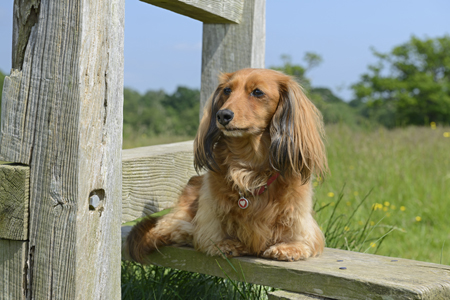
[
  {"x": 63, "y": 117},
  {"x": 153, "y": 178},
  {"x": 206, "y": 11},
  {"x": 14, "y": 201},
  {"x": 13, "y": 258},
  {"x": 230, "y": 47},
  {"x": 336, "y": 274},
  {"x": 285, "y": 295}
]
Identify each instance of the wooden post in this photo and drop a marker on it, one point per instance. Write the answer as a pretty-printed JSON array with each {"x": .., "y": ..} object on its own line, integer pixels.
[
  {"x": 14, "y": 201},
  {"x": 230, "y": 47},
  {"x": 62, "y": 116}
]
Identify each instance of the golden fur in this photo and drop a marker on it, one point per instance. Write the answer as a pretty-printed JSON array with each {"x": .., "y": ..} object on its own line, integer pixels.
[{"x": 273, "y": 129}]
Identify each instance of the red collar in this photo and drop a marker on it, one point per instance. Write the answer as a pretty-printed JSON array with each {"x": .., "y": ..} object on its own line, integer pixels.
[{"x": 262, "y": 189}]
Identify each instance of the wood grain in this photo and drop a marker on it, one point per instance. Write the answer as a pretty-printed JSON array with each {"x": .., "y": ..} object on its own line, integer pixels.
[
  {"x": 206, "y": 11},
  {"x": 62, "y": 116},
  {"x": 13, "y": 262},
  {"x": 153, "y": 178},
  {"x": 230, "y": 47},
  {"x": 284, "y": 295},
  {"x": 14, "y": 201},
  {"x": 336, "y": 274}
]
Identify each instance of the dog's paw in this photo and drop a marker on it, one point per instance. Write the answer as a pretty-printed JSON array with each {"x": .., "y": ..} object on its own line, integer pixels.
[
  {"x": 230, "y": 248},
  {"x": 288, "y": 251}
]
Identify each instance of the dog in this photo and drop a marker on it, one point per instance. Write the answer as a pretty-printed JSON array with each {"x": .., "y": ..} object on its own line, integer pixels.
[{"x": 260, "y": 141}]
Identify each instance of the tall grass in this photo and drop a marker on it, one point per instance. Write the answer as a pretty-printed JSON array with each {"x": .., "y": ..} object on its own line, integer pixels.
[{"x": 407, "y": 171}]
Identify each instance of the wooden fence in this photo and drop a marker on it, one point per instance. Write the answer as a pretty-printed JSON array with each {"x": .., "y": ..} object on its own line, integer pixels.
[{"x": 63, "y": 197}]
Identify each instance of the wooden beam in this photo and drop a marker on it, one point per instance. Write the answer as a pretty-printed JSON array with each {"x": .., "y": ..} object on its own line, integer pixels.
[
  {"x": 153, "y": 178},
  {"x": 284, "y": 295},
  {"x": 336, "y": 274},
  {"x": 62, "y": 116},
  {"x": 230, "y": 47},
  {"x": 14, "y": 201},
  {"x": 206, "y": 11},
  {"x": 13, "y": 262}
]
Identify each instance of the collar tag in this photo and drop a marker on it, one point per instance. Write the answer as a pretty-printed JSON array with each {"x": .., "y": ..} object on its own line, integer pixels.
[{"x": 243, "y": 202}]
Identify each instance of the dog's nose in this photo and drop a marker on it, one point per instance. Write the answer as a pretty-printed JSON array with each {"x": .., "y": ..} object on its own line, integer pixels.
[{"x": 224, "y": 116}]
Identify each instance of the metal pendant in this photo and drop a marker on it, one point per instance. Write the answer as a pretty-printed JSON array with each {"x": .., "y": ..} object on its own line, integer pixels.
[{"x": 243, "y": 203}]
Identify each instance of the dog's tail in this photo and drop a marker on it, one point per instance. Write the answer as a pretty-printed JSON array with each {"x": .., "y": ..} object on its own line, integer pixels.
[
  {"x": 175, "y": 228},
  {"x": 143, "y": 240}
]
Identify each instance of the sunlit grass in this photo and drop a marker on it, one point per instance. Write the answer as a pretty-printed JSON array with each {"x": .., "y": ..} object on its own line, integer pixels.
[{"x": 408, "y": 173}]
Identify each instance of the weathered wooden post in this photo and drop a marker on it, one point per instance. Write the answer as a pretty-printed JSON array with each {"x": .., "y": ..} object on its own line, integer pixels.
[
  {"x": 62, "y": 119},
  {"x": 234, "y": 35},
  {"x": 230, "y": 47}
]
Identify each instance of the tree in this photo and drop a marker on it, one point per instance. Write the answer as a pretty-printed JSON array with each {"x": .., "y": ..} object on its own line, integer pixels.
[
  {"x": 333, "y": 109},
  {"x": 144, "y": 114},
  {"x": 157, "y": 113},
  {"x": 408, "y": 86},
  {"x": 182, "y": 108}
]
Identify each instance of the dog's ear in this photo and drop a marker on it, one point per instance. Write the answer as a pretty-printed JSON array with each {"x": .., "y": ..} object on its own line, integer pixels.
[
  {"x": 296, "y": 134},
  {"x": 207, "y": 135}
]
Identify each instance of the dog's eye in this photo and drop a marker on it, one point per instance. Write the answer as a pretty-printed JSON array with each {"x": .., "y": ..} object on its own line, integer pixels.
[
  {"x": 227, "y": 91},
  {"x": 257, "y": 93}
]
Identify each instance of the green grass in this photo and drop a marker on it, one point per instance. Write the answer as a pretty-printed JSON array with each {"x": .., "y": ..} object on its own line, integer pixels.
[
  {"x": 408, "y": 173},
  {"x": 153, "y": 282}
]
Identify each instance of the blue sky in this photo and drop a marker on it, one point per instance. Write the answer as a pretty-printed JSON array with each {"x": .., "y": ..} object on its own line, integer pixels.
[{"x": 163, "y": 49}]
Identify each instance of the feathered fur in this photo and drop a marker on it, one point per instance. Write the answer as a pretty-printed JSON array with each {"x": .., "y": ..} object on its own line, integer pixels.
[{"x": 274, "y": 129}]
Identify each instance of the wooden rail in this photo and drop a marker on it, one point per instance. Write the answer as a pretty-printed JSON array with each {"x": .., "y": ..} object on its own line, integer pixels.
[
  {"x": 207, "y": 11},
  {"x": 153, "y": 177}
]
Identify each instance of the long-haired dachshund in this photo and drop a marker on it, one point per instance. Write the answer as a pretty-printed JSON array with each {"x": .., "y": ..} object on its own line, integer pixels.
[{"x": 260, "y": 142}]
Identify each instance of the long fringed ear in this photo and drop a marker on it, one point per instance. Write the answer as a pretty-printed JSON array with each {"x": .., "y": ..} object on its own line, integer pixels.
[
  {"x": 296, "y": 133},
  {"x": 207, "y": 135}
]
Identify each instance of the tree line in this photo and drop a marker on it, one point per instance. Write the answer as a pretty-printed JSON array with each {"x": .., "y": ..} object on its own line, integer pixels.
[{"x": 410, "y": 85}]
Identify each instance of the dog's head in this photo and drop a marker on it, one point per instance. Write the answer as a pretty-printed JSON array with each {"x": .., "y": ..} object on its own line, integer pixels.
[{"x": 250, "y": 102}]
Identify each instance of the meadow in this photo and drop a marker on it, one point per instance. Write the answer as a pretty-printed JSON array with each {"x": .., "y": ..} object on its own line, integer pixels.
[{"x": 406, "y": 172}]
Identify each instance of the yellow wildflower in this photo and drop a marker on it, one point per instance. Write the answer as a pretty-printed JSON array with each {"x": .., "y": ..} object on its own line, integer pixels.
[
  {"x": 373, "y": 245},
  {"x": 433, "y": 125},
  {"x": 393, "y": 207},
  {"x": 346, "y": 228},
  {"x": 372, "y": 223},
  {"x": 386, "y": 203},
  {"x": 360, "y": 223},
  {"x": 385, "y": 208},
  {"x": 315, "y": 183},
  {"x": 446, "y": 134},
  {"x": 402, "y": 208},
  {"x": 330, "y": 194},
  {"x": 418, "y": 219},
  {"x": 355, "y": 193},
  {"x": 348, "y": 203}
]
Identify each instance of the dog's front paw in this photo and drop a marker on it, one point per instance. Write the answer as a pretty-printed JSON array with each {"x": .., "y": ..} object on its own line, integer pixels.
[
  {"x": 230, "y": 248},
  {"x": 288, "y": 251}
]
